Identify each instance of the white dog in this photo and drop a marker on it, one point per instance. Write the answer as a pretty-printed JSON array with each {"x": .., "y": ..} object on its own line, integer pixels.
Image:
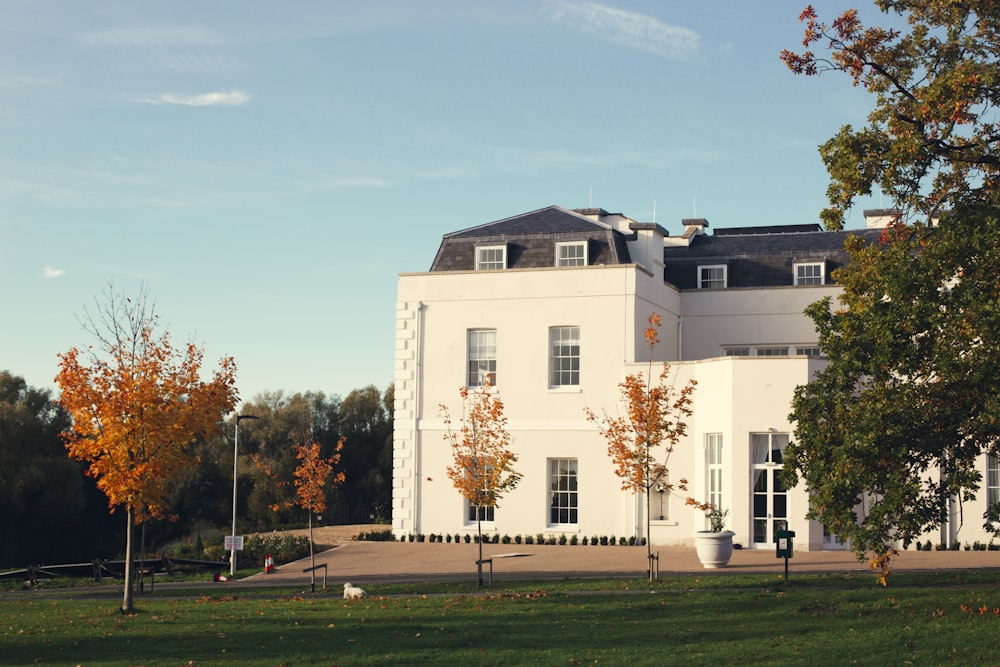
[{"x": 352, "y": 592}]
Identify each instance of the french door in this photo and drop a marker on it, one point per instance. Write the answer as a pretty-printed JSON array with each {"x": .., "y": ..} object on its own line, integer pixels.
[{"x": 769, "y": 502}]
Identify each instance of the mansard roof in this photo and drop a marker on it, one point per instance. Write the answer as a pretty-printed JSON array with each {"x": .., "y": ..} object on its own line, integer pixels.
[
  {"x": 530, "y": 240},
  {"x": 759, "y": 256}
]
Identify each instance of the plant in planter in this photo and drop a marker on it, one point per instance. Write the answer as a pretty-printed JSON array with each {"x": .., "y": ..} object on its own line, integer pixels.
[{"x": 715, "y": 545}]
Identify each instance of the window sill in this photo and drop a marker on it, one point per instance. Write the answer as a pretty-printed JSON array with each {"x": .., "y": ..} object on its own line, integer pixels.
[
  {"x": 570, "y": 389},
  {"x": 664, "y": 522},
  {"x": 563, "y": 528}
]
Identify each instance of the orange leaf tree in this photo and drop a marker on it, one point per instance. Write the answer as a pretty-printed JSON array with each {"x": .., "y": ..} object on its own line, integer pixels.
[
  {"x": 641, "y": 440},
  {"x": 483, "y": 469},
  {"x": 310, "y": 478},
  {"x": 137, "y": 404}
]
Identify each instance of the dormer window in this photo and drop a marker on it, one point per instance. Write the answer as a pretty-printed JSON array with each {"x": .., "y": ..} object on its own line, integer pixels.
[
  {"x": 491, "y": 258},
  {"x": 810, "y": 273},
  {"x": 571, "y": 254},
  {"x": 712, "y": 276}
]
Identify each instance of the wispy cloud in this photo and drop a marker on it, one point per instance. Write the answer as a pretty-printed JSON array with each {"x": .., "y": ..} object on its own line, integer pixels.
[
  {"x": 629, "y": 29},
  {"x": 49, "y": 272},
  {"x": 150, "y": 36},
  {"x": 212, "y": 99}
]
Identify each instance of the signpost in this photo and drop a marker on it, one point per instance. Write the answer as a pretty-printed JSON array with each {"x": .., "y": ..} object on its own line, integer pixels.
[{"x": 233, "y": 543}]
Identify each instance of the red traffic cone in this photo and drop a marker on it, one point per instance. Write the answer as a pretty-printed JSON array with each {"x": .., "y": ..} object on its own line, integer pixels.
[
  {"x": 220, "y": 577},
  {"x": 269, "y": 565}
]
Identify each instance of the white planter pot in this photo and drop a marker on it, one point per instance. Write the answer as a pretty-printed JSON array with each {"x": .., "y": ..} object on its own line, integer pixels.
[{"x": 714, "y": 549}]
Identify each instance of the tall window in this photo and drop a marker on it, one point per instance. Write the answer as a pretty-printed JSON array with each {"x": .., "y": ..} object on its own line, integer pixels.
[
  {"x": 769, "y": 496},
  {"x": 563, "y": 502},
  {"x": 712, "y": 276},
  {"x": 472, "y": 509},
  {"x": 992, "y": 480},
  {"x": 571, "y": 254},
  {"x": 564, "y": 357},
  {"x": 809, "y": 274},
  {"x": 491, "y": 258},
  {"x": 713, "y": 469},
  {"x": 482, "y": 357}
]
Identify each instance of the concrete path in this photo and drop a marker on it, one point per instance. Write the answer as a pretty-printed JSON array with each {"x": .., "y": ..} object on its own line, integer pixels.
[{"x": 374, "y": 562}]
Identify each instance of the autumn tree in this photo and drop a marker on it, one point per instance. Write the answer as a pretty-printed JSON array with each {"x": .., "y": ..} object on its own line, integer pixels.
[
  {"x": 932, "y": 138},
  {"x": 890, "y": 432},
  {"x": 267, "y": 450},
  {"x": 311, "y": 478},
  {"x": 137, "y": 403},
  {"x": 641, "y": 440},
  {"x": 483, "y": 463}
]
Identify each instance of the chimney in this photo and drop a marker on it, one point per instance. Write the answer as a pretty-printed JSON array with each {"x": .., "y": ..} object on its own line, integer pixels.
[
  {"x": 694, "y": 226},
  {"x": 878, "y": 218}
]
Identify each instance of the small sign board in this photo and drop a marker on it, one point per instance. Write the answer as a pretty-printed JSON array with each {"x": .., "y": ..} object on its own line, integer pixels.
[{"x": 233, "y": 542}]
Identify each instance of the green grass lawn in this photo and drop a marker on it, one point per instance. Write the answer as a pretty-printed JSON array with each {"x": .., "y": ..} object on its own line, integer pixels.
[{"x": 923, "y": 620}]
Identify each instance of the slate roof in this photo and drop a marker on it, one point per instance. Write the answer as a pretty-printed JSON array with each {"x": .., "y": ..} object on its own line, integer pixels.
[
  {"x": 530, "y": 239},
  {"x": 759, "y": 257}
]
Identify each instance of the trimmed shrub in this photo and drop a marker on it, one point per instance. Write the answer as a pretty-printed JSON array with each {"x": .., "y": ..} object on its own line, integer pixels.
[
  {"x": 375, "y": 536},
  {"x": 284, "y": 548}
]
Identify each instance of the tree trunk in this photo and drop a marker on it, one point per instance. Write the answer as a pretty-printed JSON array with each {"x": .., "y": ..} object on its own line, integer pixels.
[
  {"x": 312, "y": 556},
  {"x": 649, "y": 542},
  {"x": 127, "y": 597},
  {"x": 479, "y": 563}
]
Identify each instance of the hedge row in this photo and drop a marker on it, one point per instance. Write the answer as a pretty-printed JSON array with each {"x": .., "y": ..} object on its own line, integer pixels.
[{"x": 495, "y": 538}]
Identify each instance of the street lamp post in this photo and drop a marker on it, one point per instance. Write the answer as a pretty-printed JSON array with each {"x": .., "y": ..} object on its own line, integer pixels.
[{"x": 236, "y": 455}]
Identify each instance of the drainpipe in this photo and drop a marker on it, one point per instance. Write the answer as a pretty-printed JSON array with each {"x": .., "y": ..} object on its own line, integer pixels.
[
  {"x": 680, "y": 338},
  {"x": 417, "y": 412}
]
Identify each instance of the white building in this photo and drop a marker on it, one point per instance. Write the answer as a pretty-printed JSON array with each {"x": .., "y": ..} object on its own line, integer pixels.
[{"x": 553, "y": 303}]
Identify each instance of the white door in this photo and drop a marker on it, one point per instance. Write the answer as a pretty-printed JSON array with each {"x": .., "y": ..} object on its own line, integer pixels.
[{"x": 769, "y": 502}]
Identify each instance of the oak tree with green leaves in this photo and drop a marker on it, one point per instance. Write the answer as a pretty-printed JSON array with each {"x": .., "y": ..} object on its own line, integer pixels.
[
  {"x": 932, "y": 138},
  {"x": 890, "y": 432}
]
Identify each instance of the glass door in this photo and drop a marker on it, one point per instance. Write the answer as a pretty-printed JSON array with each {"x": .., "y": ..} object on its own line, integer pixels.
[{"x": 769, "y": 504}]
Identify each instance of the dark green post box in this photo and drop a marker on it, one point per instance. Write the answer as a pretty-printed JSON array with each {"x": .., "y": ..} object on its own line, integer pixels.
[{"x": 783, "y": 543}]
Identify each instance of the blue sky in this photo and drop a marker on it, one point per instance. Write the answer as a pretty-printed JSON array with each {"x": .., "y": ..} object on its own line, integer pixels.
[{"x": 268, "y": 169}]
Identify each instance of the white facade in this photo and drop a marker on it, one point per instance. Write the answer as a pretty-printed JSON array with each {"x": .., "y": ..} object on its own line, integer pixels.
[{"x": 741, "y": 402}]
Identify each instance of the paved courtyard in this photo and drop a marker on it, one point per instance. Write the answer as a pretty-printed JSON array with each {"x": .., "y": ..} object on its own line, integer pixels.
[{"x": 372, "y": 562}]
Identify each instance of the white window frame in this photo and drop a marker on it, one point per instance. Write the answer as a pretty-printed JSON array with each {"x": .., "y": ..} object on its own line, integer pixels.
[
  {"x": 808, "y": 351},
  {"x": 486, "y": 260},
  {"x": 481, "y": 357},
  {"x": 564, "y": 256},
  {"x": 992, "y": 485},
  {"x": 712, "y": 280},
  {"x": 737, "y": 351},
  {"x": 713, "y": 470},
  {"x": 564, "y": 365},
  {"x": 563, "y": 503},
  {"x": 771, "y": 351},
  {"x": 804, "y": 273},
  {"x": 488, "y": 512}
]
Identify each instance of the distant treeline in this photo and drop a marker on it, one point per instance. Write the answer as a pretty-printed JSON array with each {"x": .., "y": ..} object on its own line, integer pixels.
[{"x": 51, "y": 512}]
